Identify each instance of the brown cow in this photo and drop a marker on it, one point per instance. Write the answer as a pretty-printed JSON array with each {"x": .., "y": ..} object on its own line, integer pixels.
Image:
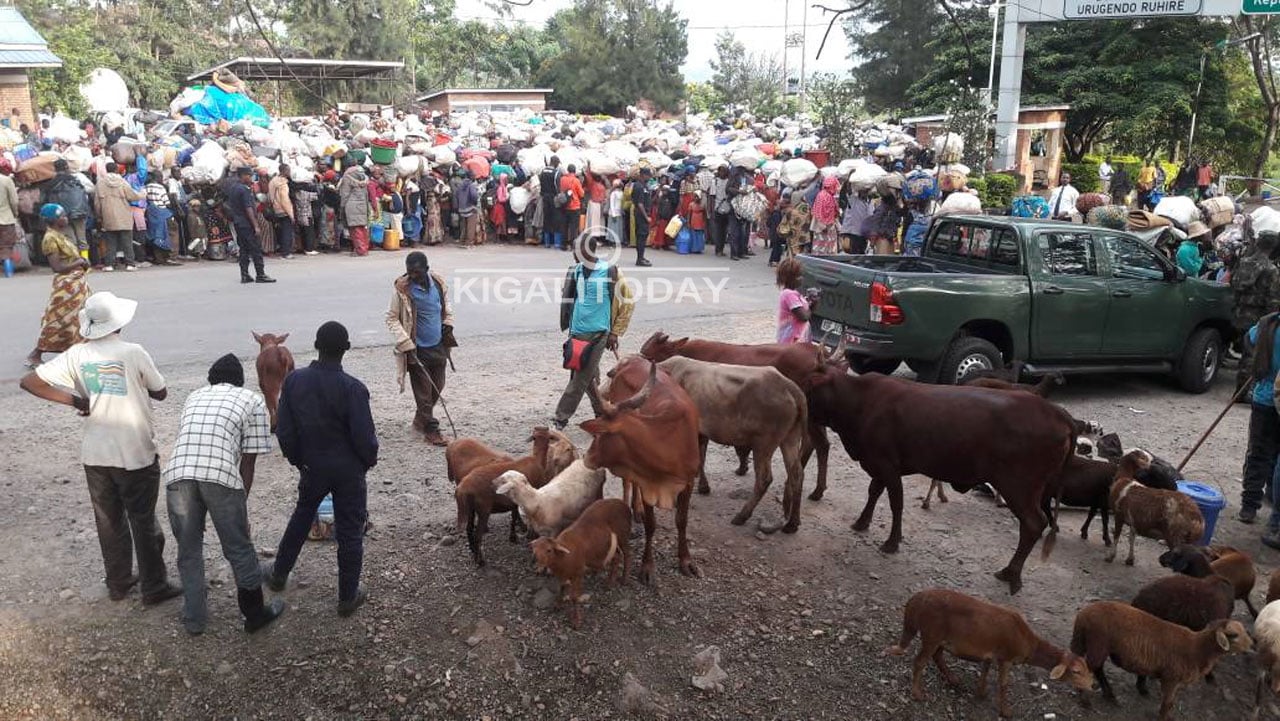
[
  {"x": 796, "y": 361},
  {"x": 650, "y": 440},
  {"x": 1017, "y": 442},
  {"x": 274, "y": 363}
]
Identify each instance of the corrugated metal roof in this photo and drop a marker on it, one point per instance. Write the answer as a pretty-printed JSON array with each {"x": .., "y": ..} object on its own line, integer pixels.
[
  {"x": 15, "y": 30},
  {"x": 28, "y": 59}
]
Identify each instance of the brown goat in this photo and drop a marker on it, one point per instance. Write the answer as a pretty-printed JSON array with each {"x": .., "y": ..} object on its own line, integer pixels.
[
  {"x": 477, "y": 498},
  {"x": 464, "y": 455},
  {"x": 1192, "y": 603},
  {"x": 274, "y": 363},
  {"x": 975, "y": 630},
  {"x": 599, "y": 539},
  {"x": 1168, "y": 516},
  {"x": 1233, "y": 565},
  {"x": 560, "y": 454},
  {"x": 1145, "y": 645}
]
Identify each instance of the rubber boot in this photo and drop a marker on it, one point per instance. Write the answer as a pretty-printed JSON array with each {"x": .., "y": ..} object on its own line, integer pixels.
[{"x": 256, "y": 615}]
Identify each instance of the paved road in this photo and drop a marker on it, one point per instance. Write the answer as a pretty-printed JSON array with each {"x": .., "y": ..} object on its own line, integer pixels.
[{"x": 196, "y": 312}]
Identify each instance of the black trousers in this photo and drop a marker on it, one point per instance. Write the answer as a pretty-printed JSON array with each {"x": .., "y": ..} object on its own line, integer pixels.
[
  {"x": 284, "y": 235},
  {"x": 1260, "y": 454},
  {"x": 250, "y": 250},
  {"x": 308, "y": 237},
  {"x": 124, "y": 509},
  {"x": 720, "y": 231},
  {"x": 350, "y": 504},
  {"x": 572, "y": 219}
]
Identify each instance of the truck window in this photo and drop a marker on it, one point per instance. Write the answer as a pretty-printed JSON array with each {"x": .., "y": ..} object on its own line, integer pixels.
[
  {"x": 974, "y": 244},
  {"x": 1132, "y": 259},
  {"x": 1067, "y": 253}
]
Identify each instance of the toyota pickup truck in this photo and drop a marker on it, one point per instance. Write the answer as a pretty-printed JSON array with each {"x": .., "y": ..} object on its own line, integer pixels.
[{"x": 988, "y": 290}]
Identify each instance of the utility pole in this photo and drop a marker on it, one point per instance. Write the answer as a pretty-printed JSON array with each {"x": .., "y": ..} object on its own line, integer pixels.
[
  {"x": 786, "y": 44},
  {"x": 804, "y": 53}
]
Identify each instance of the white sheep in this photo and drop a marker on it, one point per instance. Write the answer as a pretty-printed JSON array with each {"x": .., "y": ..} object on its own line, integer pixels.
[
  {"x": 550, "y": 509},
  {"x": 1266, "y": 632}
]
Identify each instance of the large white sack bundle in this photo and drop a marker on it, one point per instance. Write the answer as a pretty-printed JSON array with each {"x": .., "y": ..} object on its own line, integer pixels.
[
  {"x": 289, "y": 143},
  {"x": 208, "y": 163},
  {"x": 961, "y": 202},
  {"x": 656, "y": 160},
  {"x": 366, "y": 136},
  {"x": 948, "y": 147},
  {"x": 1178, "y": 208},
  {"x": 257, "y": 136},
  {"x": 714, "y": 162},
  {"x": 866, "y": 176},
  {"x": 847, "y": 166},
  {"x": 798, "y": 171},
  {"x": 829, "y": 171},
  {"x": 359, "y": 122},
  {"x": 771, "y": 167},
  {"x": 65, "y": 129},
  {"x": 420, "y": 148},
  {"x": 534, "y": 159},
  {"x": 410, "y": 166},
  {"x": 600, "y": 163},
  {"x": 747, "y": 158},
  {"x": 300, "y": 172},
  {"x": 623, "y": 153},
  {"x": 185, "y": 99},
  {"x": 589, "y": 138},
  {"x": 441, "y": 155},
  {"x": 1266, "y": 220},
  {"x": 271, "y": 165},
  {"x": 570, "y": 156},
  {"x": 317, "y": 143},
  {"x": 79, "y": 158},
  {"x": 518, "y": 199}
]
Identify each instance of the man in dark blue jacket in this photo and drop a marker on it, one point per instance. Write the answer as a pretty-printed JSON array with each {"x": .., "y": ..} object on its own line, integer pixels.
[{"x": 325, "y": 429}]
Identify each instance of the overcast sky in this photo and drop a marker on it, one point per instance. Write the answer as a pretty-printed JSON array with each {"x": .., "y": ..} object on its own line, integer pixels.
[{"x": 757, "y": 23}]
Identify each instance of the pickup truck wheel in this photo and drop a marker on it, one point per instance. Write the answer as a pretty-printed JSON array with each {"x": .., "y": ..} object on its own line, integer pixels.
[
  {"x": 966, "y": 356},
  {"x": 1200, "y": 359},
  {"x": 883, "y": 366}
]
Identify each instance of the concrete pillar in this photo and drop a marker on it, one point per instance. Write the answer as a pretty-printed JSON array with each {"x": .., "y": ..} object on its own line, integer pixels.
[{"x": 1009, "y": 98}]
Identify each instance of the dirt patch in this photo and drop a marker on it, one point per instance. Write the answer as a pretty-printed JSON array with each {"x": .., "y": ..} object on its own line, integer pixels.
[{"x": 800, "y": 621}]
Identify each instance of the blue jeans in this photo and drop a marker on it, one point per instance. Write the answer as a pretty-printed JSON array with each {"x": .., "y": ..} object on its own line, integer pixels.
[
  {"x": 189, "y": 502},
  {"x": 350, "y": 500}
]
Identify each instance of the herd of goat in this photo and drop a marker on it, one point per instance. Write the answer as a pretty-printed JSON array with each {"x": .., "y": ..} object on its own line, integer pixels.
[{"x": 659, "y": 410}]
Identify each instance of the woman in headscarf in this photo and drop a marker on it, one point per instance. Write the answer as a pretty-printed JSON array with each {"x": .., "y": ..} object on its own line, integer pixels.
[
  {"x": 826, "y": 218},
  {"x": 60, "y": 327},
  {"x": 432, "y": 226},
  {"x": 353, "y": 197}
]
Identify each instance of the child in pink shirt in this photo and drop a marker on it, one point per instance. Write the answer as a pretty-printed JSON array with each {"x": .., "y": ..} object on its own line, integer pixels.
[{"x": 793, "y": 307}]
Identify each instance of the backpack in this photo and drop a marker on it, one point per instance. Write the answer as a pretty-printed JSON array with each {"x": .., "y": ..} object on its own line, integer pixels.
[{"x": 547, "y": 181}]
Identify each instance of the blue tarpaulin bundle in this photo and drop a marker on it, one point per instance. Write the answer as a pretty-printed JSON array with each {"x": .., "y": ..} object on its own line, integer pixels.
[{"x": 217, "y": 104}]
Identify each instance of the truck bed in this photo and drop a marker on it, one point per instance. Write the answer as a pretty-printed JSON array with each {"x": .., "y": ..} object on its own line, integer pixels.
[{"x": 905, "y": 264}]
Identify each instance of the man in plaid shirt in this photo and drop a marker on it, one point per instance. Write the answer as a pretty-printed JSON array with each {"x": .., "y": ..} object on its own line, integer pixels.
[{"x": 224, "y": 427}]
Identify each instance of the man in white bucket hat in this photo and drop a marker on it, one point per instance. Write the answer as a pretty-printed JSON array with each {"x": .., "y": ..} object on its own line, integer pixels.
[{"x": 111, "y": 383}]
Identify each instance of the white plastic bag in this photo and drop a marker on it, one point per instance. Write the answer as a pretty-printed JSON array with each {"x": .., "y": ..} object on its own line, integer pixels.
[
  {"x": 966, "y": 203},
  {"x": 1178, "y": 208},
  {"x": 798, "y": 171},
  {"x": 1266, "y": 220},
  {"x": 600, "y": 163},
  {"x": 518, "y": 199}
]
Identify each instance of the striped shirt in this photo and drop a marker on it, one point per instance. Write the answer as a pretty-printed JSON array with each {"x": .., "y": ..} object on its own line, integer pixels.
[
  {"x": 218, "y": 424},
  {"x": 157, "y": 195}
]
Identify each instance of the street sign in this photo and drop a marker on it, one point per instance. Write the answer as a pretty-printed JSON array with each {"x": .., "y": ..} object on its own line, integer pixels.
[
  {"x": 1104, "y": 9},
  {"x": 1260, "y": 7}
]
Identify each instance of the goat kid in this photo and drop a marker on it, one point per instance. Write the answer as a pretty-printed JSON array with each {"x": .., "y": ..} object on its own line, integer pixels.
[{"x": 599, "y": 539}]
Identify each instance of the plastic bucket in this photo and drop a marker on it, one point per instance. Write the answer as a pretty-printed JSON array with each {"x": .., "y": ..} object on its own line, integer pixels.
[
  {"x": 391, "y": 240},
  {"x": 382, "y": 155},
  {"x": 376, "y": 233},
  {"x": 1210, "y": 501},
  {"x": 820, "y": 158},
  {"x": 683, "y": 241},
  {"x": 411, "y": 226}
]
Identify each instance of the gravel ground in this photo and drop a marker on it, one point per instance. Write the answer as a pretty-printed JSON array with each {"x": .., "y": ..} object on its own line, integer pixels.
[{"x": 800, "y": 621}]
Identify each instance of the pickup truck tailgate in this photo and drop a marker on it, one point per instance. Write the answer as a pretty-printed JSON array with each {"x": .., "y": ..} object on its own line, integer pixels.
[{"x": 846, "y": 294}]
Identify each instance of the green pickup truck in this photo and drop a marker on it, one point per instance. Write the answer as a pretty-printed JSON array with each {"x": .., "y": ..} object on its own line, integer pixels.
[{"x": 990, "y": 290}]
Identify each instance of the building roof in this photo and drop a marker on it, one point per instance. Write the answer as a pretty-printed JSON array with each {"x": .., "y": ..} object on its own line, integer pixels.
[
  {"x": 253, "y": 68},
  {"x": 486, "y": 91},
  {"x": 20, "y": 45},
  {"x": 929, "y": 119}
]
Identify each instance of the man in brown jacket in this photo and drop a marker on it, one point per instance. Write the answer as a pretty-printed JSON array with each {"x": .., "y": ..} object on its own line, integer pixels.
[
  {"x": 282, "y": 207},
  {"x": 420, "y": 320},
  {"x": 111, "y": 199}
]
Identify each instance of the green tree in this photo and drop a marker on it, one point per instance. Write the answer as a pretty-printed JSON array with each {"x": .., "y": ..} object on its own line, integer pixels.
[
  {"x": 834, "y": 104},
  {"x": 614, "y": 53},
  {"x": 70, "y": 31},
  {"x": 700, "y": 97},
  {"x": 886, "y": 45},
  {"x": 752, "y": 80}
]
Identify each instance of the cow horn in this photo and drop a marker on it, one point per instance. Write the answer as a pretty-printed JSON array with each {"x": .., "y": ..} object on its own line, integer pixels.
[
  {"x": 639, "y": 398},
  {"x": 837, "y": 355}
]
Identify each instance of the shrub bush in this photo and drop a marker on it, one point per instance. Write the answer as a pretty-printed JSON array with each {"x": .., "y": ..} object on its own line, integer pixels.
[
  {"x": 1000, "y": 189},
  {"x": 1083, "y": 175},
  {"x": 980, "y": 186}
]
